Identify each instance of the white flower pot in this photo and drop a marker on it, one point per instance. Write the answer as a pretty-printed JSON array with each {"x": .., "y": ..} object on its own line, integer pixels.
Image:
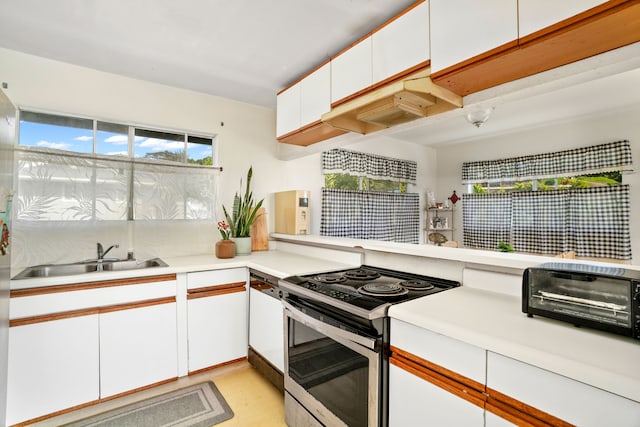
[{"x": 243, "y": 245}]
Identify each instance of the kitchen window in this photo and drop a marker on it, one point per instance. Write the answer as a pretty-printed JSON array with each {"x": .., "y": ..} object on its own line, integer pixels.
[
  {"x": 572, "y": 200},
  {"x": 78, "y": 169},
  {"x": 365, "y": 197}
]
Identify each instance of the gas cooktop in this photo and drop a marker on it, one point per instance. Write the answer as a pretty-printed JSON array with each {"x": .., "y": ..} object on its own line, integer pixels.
[{"x": 365, "y": 291}]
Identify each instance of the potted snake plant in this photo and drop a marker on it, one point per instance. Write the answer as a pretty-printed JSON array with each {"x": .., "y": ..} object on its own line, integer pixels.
[{"x": 242, "y": 216}]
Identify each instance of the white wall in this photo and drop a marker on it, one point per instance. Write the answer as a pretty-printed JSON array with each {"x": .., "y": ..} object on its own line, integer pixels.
[
  {"x": 246, "y": 138},
  {"x": 618, "y": 125}
]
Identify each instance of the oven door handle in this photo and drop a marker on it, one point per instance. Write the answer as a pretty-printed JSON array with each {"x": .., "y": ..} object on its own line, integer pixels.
[{"x": 326, "y": 329}]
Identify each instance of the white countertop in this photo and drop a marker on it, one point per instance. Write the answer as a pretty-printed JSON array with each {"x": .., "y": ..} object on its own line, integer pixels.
[
  {"x": 274, "y": 262},
  {"x": 495, "y": 322}
]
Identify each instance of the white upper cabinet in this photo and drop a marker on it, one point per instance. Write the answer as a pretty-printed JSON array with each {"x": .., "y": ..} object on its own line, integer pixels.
[
  {"x": 351, "y": 70},
  {"x": 535, "y": 15},
  {"x": 288, "y": 110},
  {"x": 462, "y": 29},
  {"x": 315, "y": 95},
  {"x": 401, "y": 44}
]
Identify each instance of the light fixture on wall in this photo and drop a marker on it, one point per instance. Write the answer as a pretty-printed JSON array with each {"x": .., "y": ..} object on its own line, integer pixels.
[{"x": 478, "y": 114}]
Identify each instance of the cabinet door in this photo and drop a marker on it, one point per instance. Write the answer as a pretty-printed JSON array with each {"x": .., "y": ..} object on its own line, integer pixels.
[
  {"x": 315, "y": 95},
  {"x": 416, "y": 402},
  {"x": 567, "y": 399},
  {"x": 535, "y": 15},
  {"x": 266, "y": 327},
  {"x": 288, "y": 110},
  {"x": 457, "y": 356},
  {"x": 462, "y": 29},
  {"x": 402, "y": 44},
  {"x": 217, "y": 329},
  {"x": 138, "y": 347},
  {"x": 351, "y": 70},
  {"x": 52, "y": 366}
]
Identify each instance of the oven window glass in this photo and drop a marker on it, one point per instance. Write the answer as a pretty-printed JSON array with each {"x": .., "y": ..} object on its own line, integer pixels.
[
  {"x": 602, "y": 299},
  {"x": 334, "y": 374}
]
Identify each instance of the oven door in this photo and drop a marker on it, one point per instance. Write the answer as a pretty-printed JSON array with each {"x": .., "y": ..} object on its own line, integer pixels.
[{"x": 330, "y": 369}]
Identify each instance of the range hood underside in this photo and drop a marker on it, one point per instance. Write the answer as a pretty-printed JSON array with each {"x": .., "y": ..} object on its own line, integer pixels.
[{"x": 397, "y": 103}]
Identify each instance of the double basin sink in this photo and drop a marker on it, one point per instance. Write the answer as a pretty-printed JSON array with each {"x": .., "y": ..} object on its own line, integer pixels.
[{"x": 54, "y": 270}]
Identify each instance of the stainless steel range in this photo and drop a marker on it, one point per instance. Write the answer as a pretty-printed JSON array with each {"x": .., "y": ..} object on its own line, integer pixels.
[{"x": 337, "y": 340}]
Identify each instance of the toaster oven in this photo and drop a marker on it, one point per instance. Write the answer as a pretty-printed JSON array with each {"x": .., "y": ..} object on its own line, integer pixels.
[{"x": 600, "y": 297}]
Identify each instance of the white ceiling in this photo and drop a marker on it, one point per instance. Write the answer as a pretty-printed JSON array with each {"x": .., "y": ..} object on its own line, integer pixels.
[
  {"x": 249, "y": 50},
  {"x": 245, "y": 50}
]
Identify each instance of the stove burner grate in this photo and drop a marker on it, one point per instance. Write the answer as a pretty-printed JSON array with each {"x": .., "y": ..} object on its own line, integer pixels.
[
  {"x": 416, "y": 285},
  {"x": 382, "y": 289},
  {"x": 330, "y": 278},
  {"x": 361, "y": 274}
]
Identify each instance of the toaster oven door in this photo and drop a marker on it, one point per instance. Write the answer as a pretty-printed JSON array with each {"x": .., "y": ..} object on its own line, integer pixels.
[{"x": 582, "y": 298}]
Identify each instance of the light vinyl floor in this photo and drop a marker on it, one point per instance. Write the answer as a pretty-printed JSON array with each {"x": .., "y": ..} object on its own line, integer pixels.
[{"x": 254, "y": 400}]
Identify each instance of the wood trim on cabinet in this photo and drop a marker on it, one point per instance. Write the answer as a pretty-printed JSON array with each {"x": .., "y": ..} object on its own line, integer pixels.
[
  {"x": 136, "y": 390},
  {"x": 520, "y": 413},
  {"x": 474, "y": 392},
  {"x": 27, "y": 292},
  {"x": 299, "y": 79},
  {"x": 208, "y": 291},
  {"x": 208, "y": 368},
  {"x": 405, "y": 74},
  {"x": 437, "y": 369},
  {"x": 605, "y": 27},
  {"x": 89, "y": 311},
  {"x": 57, "y": 413},
  {"x": 445, "y": 383},
  {"x": 311, "y": 133}
]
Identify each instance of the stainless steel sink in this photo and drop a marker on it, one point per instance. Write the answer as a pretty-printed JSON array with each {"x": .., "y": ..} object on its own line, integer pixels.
[
  {"x": 133, "y": 264},
  {"x": 55, "y": 270}
]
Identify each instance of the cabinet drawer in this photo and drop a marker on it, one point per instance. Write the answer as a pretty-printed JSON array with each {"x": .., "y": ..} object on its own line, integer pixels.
[
  {"x": 462, "y": 358},
  {"x": 202, "y": 279},
  {"x": 567, "y": 399},
  {"x": 64, "y": 298}
]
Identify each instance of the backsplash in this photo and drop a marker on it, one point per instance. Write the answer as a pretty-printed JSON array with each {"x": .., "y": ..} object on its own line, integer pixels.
[{"x": 56, "y": 242}]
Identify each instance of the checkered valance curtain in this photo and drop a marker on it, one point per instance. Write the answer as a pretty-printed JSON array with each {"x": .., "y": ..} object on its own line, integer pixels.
[
  {"x": 614, "y": 156},
  {"x": 593, "y": 222},
  {"x": 370, "y": 215},
  {"x": 373, "y": 166}
]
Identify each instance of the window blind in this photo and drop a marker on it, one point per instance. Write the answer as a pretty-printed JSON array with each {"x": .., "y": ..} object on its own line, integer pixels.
[
  {"x": 372, "y": 166},
  {"x": 613, "y": 156}
]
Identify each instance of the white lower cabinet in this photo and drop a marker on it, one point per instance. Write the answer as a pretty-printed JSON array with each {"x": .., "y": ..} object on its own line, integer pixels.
[
  {"x": 266, "y": 327},
  {"x": 217, "y": 329},
  {"x": 572, "y": 401},
  {"x": 416, "y": 402},
  {"x": 53, "y": 365},
  {"x": 138, "y": 347}
]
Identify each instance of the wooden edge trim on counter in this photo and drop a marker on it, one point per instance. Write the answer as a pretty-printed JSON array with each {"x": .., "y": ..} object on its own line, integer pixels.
[
  {"x": 27, "y": 292},
  {"x": 432, "y": 367},
  {"x": 445, "y": 382},
  {"x": 208, "y": 368},
  {"x": 88, "y": 311},
  {"x": 92, "y": 403},
  {"x": 520, "y": 413}
]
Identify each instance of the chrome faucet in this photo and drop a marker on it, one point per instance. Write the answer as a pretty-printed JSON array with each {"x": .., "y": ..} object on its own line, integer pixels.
[{"x": 102, "y": 252}]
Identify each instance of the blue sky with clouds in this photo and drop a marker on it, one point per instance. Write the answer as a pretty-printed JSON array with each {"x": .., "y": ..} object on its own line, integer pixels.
[{"x": 81, "y": 141}]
